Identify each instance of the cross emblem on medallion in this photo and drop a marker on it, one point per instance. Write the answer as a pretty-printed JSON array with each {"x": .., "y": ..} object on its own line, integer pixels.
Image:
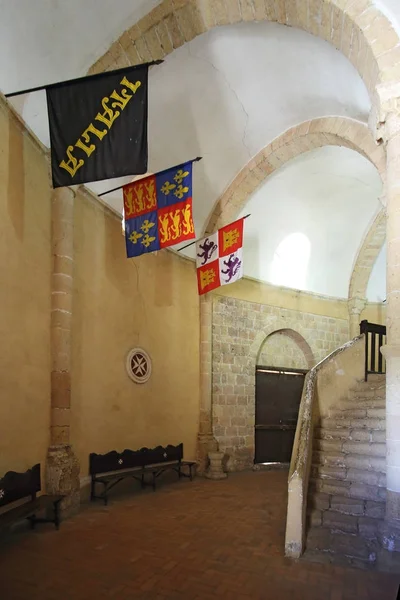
[
  {"x": 120, "y": 461},
  {"x": 139, "y": 365}
]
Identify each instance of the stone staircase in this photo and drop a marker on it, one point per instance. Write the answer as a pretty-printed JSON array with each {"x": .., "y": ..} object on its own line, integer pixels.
[{"x": 347, "y": 491}]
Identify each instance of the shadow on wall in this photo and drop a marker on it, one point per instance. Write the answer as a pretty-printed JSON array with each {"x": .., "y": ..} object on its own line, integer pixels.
[{"x": 285, "y": 348}]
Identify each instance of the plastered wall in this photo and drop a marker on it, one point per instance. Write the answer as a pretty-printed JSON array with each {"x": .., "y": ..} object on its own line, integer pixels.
[
  {"x": 25, "y": 267},
  {"x": 118, "y": 304}
]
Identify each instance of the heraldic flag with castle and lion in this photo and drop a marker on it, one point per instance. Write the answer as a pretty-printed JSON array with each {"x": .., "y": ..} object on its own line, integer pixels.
[
  {"x": 219, "y": 257},
  {"x": 158, "y": 210}
]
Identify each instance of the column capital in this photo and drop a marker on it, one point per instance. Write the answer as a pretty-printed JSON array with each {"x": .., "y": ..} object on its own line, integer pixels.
[
  {"x": 391, "y": 351},
  {"x": 66, "y": 191},
  {"x": 385, "y": 113},
  {"x": 356, "y": 305}
]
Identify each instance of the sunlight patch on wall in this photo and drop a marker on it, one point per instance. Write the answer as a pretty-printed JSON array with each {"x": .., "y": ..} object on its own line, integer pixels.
[{"x": 290, "y": 263}]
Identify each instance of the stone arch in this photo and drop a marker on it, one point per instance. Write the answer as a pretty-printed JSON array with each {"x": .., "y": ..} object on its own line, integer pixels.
[
  {"x": 293, "y": 330},
  {"x": 296, "y": 337},
  {"x": 364, "y": 263},
  {"x": 358, "y": 29},
  {"x": 367, "y": 256},
  {"x": 244, "y": 458},
  {"x": 326, "y": 131}
]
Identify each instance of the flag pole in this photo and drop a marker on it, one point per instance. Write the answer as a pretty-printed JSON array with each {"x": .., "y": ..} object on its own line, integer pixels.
[
  {"x": 174, "y": 167},
  {"x": 81, "y": 79},
  {"x": 191, "y": 243}
]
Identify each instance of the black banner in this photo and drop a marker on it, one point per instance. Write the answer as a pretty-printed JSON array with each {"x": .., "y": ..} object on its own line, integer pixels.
[{"x": 98, "y": 126}]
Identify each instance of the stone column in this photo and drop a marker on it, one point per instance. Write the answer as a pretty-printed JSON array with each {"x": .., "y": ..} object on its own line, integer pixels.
[
  {"x": 206, "y": 442},
  {"x": 356, "y": 306},
  {"x": 392, "y": 349},
  {"x": 62, "y": 469}
]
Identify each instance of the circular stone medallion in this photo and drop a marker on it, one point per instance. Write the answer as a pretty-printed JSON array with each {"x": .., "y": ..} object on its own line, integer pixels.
[{"x": 138, "y": 365}]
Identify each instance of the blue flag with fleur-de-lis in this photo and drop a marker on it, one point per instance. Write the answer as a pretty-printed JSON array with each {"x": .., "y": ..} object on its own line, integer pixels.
[{"x": 158, "y": 210}]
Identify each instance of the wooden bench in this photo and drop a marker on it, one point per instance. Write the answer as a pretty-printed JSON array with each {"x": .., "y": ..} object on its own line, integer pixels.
[
  {"x": 15, "y": 487},
  {"x": 111, "y": 468}
]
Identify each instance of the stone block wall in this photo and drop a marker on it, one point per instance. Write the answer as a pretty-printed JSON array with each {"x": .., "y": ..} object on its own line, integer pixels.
[
  {"x": 239, "y": 332},
  {"x": 280, "y": 350}
]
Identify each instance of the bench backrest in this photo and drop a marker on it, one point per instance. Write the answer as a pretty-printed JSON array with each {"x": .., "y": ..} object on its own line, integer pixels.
[
  {"x": 128, "y": 459},
  {"x": 162, "y": 455},
  {"x": 15, "y": 486},
  {"x": 114, "y": 461}
]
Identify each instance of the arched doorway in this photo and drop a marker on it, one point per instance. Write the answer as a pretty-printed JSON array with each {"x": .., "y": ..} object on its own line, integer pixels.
[{"x": 282, "y": 362}]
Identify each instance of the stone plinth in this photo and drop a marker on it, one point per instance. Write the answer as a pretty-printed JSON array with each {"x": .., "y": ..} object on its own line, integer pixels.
[
  {"x": 216, "y": 471},
  {"x": 206, "y": 443},
  {"x": 62, "y": 477}
]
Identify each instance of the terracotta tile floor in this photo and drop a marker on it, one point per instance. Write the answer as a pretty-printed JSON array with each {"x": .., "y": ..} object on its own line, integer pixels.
[{"x": 192, "y": 541}]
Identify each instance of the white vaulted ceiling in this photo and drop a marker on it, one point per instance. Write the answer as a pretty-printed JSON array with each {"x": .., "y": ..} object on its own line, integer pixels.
[
  {"x": 309, "y": 246},
  {"x": 224, "y": 96}
]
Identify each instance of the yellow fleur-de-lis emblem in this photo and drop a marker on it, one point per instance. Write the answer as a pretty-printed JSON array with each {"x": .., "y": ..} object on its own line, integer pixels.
[
  {"x": 167, "y": 187},
  {"x": 180, "y": 175},
  {"x": 135, "y": 236},
  {"x": 146, "y": 226},
  {"x": 147, "y": 240},
  {"x": 181, "y": 191}
]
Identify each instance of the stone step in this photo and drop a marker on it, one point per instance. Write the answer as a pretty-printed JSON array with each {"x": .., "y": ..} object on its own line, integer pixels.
[
  {"x": 360, "y": 402},
  {"x": 350, "y": 447},
  {"x": 341, "y": 421},
  {"x": 368, "y": 392},
  {"x": 348, "y": 474},
  {"x": 344, "y": 433},
  {"x": 366, "y": 527},
  {"x": 337, "y": 560},
  {"x": 349, "y": 489},
  {"x": 373, "y": 382},
  {"x": 354, "y": 461},
  {"x": 357, "y": 413},
  {"x": 345, "y": 505},
  {"x": 325, "y": 540}
]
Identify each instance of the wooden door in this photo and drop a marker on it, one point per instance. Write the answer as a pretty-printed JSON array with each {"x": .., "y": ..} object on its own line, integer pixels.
[{"x": 278, "y": 395}]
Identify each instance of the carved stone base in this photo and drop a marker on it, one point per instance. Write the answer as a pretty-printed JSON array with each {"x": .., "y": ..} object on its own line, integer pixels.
[
  {"x": 390, "y": 535},
  {"x": 206, "y": 443},
  {"x": 62, "y": 477},
  {"x": 216, "y": 470}
]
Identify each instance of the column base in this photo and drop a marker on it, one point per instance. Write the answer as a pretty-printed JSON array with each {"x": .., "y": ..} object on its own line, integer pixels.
[
  {"x": 216, "y": 471},
  {"x": 62, "y": 477},
  {"x": 206, "y": 443}
]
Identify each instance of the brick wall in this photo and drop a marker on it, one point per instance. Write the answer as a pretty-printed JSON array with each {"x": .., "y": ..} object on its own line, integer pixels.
[{"x": 239, "y": 331}]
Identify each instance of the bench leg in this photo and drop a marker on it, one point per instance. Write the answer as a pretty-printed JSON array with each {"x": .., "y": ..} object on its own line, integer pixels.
[
  {"x": 190, "y": 472},
  {"x": 57, "y": 514},
  {"x": 32, "y": 521},
  {"x": 92, "y": 489},
  {"x": 154, "y": 481},
  {"x": 179, "y": 471},
  {"x": 105, "y": 495},
  {"x": 142, "y": 481}
]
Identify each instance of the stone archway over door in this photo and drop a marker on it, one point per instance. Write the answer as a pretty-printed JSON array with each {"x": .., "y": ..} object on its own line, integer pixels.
[
  {"x": 282, "y": 362},
  {"x": 239, "y": 329}
]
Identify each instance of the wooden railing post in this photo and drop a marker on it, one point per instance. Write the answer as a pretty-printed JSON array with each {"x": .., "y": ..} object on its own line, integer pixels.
[{"x": 377, "y": 333}]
